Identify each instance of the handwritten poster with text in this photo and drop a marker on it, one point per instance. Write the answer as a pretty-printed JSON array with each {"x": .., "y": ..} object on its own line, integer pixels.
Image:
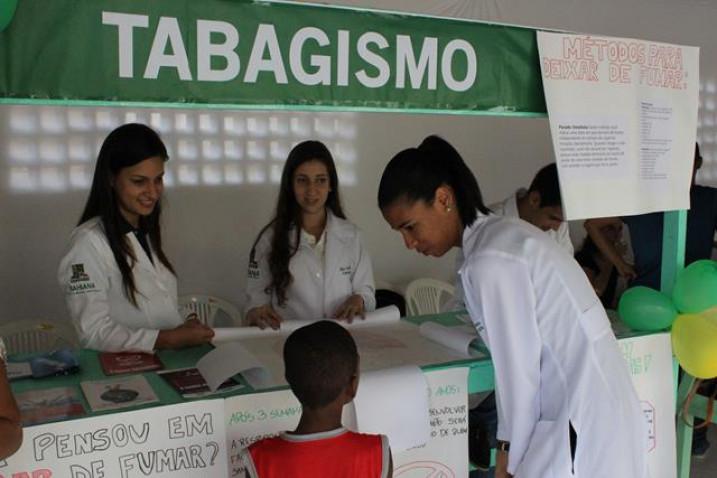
[
  {"x": 623, "y": 119},
  {"x": 182, "y": 441},
  {"x": 649, "y": 360}
]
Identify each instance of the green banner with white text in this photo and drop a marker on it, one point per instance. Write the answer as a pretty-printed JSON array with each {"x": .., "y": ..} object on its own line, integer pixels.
[{"x": 232, "y": 52}]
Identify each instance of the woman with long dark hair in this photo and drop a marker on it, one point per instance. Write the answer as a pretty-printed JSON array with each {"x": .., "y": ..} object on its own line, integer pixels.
[
  {"x": 119, "y": 285},
  {"x": 308, "y": 261},
  {"x": 566, "y": 403}
]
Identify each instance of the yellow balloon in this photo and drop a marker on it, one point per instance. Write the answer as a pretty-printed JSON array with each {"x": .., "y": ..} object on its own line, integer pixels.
[{"x": 694, "y": 341}]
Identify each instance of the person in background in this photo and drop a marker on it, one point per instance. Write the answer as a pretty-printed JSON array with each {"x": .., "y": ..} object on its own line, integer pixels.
[
  {"x": 321, "y": 363},
  {"x": 120, "y": 288},
  {"x": 10, "y": 424},
  {"x": 602, "y": 273},
  {"x": 566, "y": 402},
  {"x": 540, "y": 205},
  {"x": 646, "y": 237},
  {"x": 308, "y": 262},
  {"x": 646, "y": 234}
]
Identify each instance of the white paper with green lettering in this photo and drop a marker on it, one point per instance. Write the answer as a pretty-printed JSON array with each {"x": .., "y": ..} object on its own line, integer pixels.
[{"x": 649, "y": 359}]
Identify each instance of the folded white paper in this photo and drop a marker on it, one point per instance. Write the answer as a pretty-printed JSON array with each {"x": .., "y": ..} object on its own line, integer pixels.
[
  {"x": 459, "y": 339},
  {"x": 229, "y": 359},
  {"x": 384, "y": 315},
  {"x": 394, "y": 402}
]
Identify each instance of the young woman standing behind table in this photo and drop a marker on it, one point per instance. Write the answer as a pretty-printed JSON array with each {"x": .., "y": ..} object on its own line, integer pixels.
[
  {"x": 120, "y": 288},
  {"x": 566, "y": 403},
  {"x": 308, "y": 262}
]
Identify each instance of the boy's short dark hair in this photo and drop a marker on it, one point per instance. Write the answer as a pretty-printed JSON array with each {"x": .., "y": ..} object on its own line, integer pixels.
[
  {"x": 320, "y": 360},
  {"x": 546, "y": 184}
]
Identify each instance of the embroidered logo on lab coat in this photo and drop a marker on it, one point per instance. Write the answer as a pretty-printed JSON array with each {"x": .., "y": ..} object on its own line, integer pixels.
[
  {"x": 345, "y": 270},
  {"x": 80, "y": 281},
  {"x": 253, "y": 270},
  {"x": 78, "y": 273}
]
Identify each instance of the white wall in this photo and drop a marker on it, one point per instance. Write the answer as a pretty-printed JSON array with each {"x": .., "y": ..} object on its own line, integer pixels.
[{"x": 209, "y": 228}]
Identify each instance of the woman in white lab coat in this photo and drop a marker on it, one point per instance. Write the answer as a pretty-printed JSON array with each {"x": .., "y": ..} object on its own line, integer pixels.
[
  {"x": 566, "y": 403},
  {"x": 308, "y": 262},
  {"x": 119, "y": 286}
]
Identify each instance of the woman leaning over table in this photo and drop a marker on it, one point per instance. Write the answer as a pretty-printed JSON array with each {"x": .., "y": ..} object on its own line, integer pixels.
[{"x": 566, "y": 403}]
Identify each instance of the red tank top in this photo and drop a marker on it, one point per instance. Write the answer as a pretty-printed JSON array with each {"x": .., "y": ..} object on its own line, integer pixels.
[{"x": 335, "y": 454}]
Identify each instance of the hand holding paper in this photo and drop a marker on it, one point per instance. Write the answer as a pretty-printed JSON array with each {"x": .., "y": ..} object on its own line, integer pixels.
[{"x": 380, "y": 316}]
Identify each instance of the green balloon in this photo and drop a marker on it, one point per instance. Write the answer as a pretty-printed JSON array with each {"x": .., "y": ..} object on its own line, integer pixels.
[
  {"x": 696, "y": 287},
  {"x": 7, "y": 10},
  {"x": 642, "y": 308}
]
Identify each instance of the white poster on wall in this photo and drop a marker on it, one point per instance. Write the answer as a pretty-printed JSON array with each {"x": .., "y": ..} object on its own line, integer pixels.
[
  {"x": 255, "y": 416},
  {"x": 649, "y": 359},
  {"x": 623, "y": 120},
  {"x": 178, "y": 441},
  {"x": 446, "y": 453}
]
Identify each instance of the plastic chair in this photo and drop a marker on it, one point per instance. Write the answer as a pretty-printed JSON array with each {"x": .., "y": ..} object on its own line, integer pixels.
[
  {"x": 426, "y": 296},
  {"x": 33, "y": 336},
  {"x": 210, "y": 308}
]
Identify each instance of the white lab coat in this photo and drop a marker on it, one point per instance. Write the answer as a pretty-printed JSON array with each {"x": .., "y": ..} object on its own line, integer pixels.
[
  {"x": 555, "y": 357},
  {"x": 104, "y": 317},
  {"x": 508, "y": 208},
  {"x": 319, "y": 286}
]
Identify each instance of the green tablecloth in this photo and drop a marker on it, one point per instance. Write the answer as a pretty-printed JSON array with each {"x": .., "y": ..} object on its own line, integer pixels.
[{"x": 480, "y": 377}]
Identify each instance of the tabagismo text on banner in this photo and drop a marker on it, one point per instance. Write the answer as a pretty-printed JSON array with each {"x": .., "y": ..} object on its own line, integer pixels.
[{"x": 233, "y": 52}]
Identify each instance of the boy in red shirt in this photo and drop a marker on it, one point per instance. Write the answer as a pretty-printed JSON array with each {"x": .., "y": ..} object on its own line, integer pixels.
[{"x": 321, "y": 366}]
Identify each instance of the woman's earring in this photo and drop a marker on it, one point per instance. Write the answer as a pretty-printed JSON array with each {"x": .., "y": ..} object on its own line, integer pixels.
[{"x": 448, "y": 208}]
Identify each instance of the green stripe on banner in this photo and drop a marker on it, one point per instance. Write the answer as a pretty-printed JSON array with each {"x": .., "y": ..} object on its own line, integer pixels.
[{"x": 231, "y": 52}]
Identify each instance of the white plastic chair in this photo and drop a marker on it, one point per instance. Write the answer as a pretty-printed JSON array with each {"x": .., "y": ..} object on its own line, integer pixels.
[
  {"x": 426, "y": 296},
  {"x": 209, "y": 308},
  {"x": 33, "y": 336}
]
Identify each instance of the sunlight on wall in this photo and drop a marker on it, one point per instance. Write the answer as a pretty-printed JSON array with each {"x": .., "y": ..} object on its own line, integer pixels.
[
  {"x": 53, "y": 149},
  {"x": 707, "y": 131}
]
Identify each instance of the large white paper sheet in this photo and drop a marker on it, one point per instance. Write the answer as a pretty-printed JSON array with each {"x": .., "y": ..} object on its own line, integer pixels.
[
  {"x": 394, "y": 402},
  {"x": 381, "y": 346},
  {"x": 446, "y": 453},
  {"x": 384, "y": 315},
  {"x": 623, "y": 119},
  {"x": 181, "y": 441},
  {"x": 459, "y": 339},
  {"x": 230, "y": 359},
  {"x": 649, "y": 359}
]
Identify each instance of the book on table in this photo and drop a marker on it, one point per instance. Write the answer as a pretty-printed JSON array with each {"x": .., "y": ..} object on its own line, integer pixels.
[
  {"x": 115, "y": 363},
  {"x": 49, "y": 405},
  {"x": 190, "y": 383},
  {"x": 117, "y": 393}
]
